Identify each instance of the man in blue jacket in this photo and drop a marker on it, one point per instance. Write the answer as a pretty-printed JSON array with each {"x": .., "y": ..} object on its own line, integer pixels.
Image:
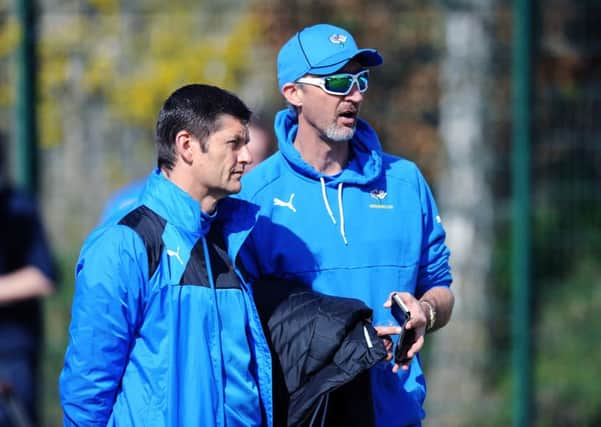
[
  {"x": 368, "y": 218},
  {"x": 164, "y": 331}
]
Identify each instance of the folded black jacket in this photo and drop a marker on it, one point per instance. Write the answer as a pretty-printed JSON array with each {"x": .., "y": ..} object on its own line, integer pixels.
[{"x": 323, "y": 346}]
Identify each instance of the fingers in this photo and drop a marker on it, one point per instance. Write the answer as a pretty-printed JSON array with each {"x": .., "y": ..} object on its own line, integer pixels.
[
  {"x": 388, "y": 330},
  {"x": 417, "y": 323},
  {"x": 407, "y": 298},
  {"x": 404, "y": 366},
  {"x": 388, "y": 302},
  {"x": 388, "y": 343},
  {"x": 418, "y": 320},
  {"x": 416, "y": 347}
]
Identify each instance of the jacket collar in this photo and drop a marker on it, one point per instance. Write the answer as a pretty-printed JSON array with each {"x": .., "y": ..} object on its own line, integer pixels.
[
  {"x": 235, "y": 221},
  {"x": 175, "y": 205}
]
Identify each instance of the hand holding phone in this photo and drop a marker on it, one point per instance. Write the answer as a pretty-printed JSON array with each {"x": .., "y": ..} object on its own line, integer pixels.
[{"x": 407, "y": 336}]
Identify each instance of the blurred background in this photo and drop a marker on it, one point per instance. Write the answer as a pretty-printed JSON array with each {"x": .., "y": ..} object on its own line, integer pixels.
[{"x": 497, "y": 101}]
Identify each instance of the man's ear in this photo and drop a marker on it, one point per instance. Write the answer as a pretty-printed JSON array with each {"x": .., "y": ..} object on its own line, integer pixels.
[
  {"x": 293, "y": 94},
  {"x": 184, "y": 146}
]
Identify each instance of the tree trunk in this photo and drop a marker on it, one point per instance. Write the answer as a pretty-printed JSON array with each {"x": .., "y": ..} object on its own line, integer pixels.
[{"x": 456, "y": 354}]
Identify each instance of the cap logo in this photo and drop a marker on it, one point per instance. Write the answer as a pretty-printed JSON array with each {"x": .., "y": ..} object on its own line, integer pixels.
[{"x": 338, "y": 39}]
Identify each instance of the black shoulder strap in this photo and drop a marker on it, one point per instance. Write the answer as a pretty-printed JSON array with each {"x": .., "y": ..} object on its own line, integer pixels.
[{"x": 149, "y": 226}]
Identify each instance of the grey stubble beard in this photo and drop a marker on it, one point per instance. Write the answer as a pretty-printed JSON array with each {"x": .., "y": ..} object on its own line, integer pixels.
[{"x": 337, "y": 133}]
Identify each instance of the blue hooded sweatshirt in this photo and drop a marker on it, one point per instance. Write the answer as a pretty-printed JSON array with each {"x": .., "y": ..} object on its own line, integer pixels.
[
  {"x": 166, "y": 334},
  {"x": 370, "y": 230}
]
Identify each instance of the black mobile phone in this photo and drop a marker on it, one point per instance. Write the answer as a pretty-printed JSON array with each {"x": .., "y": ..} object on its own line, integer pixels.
[{"x": 407, "y": 336}]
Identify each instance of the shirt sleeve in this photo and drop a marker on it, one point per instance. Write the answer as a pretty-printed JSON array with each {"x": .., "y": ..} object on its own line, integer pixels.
[
  {"x": 26, "y": 242},
  {"x": 434, "y": 269},
  {"x": 107, "y": 309}
]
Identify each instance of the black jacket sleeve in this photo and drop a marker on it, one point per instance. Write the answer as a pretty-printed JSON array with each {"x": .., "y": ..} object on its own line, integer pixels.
[{"x": 322, "y": 343}]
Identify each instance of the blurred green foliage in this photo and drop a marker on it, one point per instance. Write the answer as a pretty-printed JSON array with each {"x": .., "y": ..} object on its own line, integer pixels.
[
  {"x": 9, "y": 38},
  {"x": 57, "y": 309},
  {"x": 132, "y": 58},
  {"x": 568, "y": 348}
]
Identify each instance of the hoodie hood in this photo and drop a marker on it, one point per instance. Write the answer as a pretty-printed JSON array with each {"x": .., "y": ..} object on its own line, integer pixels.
[{"x": 366, "y": 158}]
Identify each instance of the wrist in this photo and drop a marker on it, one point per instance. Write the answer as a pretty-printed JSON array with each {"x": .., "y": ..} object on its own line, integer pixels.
[{"x": 430, "y": 314}]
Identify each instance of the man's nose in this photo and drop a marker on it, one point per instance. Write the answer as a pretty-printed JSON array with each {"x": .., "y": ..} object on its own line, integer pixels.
[
  {"x": 244, "y": 155},
  {"x": 355, "y": 94}
]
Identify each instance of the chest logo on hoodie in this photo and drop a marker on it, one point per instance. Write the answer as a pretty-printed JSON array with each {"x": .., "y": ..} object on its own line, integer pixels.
[
  {"x": 379, "y": 195},
  {"x": 288, "y": 204}
]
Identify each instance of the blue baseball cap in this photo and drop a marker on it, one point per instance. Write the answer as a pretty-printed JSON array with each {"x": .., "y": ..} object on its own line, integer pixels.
[{"x": 321, "y": 50}]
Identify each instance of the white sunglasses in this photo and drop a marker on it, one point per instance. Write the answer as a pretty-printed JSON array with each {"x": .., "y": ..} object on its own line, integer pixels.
[{"x": 339, "y": 84}]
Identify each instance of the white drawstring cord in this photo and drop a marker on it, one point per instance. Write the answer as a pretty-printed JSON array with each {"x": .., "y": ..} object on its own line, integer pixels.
[
  {"x": 341, "y": 210},
  {"x": 367, "y": 337},
  {"x": 325, "y": 199}
]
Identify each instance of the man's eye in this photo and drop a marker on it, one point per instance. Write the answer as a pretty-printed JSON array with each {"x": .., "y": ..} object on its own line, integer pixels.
[{"x": 236, "y": 143}]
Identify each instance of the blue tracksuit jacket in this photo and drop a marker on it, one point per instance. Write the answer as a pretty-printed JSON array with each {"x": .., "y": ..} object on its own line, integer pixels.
[
  {"x": 163, "y": 330},
  {"x": 370, "y": 230}
]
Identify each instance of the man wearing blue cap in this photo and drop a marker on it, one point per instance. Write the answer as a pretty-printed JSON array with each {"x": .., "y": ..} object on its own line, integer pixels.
[{"x": 368, "y": 218}]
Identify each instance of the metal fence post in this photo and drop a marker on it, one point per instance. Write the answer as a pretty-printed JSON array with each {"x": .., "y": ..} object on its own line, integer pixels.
[
  {"x": 521, "y": 326},
  {"x": 26, "y": 120}
]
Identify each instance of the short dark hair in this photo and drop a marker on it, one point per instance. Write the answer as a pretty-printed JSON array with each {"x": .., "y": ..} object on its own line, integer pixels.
[{"x": 197, "y": 109}]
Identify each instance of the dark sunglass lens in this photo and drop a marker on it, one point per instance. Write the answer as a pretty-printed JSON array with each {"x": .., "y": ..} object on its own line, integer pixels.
[
  {"x": 338, "y": 84},
  {"x": 363, "y": 79}
]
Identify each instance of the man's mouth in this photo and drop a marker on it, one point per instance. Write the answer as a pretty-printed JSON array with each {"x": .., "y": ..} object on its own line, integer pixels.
[
  {"x": 348, "y": 111},
  {"x": 348, "y": 116}
]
